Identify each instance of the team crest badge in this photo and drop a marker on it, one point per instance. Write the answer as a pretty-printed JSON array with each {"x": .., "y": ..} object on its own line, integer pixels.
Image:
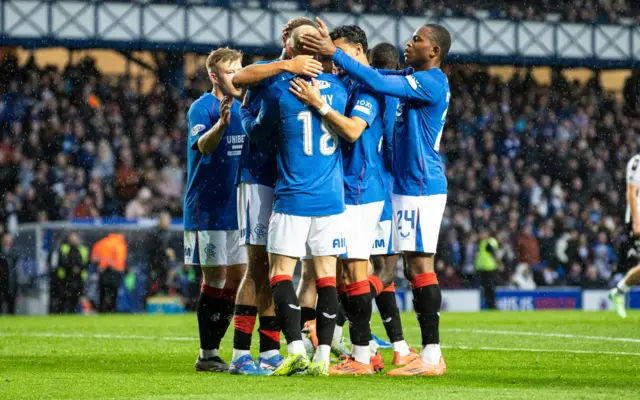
[
  {"x": 210, "y": 251},
  {"x": 260, "y": 230},
  {"x": 197, "y": 129}
]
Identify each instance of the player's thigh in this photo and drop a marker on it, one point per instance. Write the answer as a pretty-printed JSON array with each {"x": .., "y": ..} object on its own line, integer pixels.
[
  {"x": 288, "y": 235},
  {"x": 325, "y": 266},
  {"x": 255, "y": 205},
  {"x": 417, "y": 263},
  {"x": 326, "y": 236},
  {"x": 416, "y": 222},
  {"x": 359, "y": 226}
]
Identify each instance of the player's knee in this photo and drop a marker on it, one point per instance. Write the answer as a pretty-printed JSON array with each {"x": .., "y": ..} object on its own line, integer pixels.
[
  {"x": 418, "y": 263},
  {"x": 211, "y": 274}
]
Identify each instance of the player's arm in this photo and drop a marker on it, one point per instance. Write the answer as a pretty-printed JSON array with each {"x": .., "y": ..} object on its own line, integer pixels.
[
  {"x": 426, "y": 89},
  {"x": 349, "y": 128},
  {"x": 633, "y": 184},
  {"x": 253, "y": 74},
  {"x": 264, "y": 122},
  {"x": 402, "y": 72},
  {"x": 209, "y": 141}
]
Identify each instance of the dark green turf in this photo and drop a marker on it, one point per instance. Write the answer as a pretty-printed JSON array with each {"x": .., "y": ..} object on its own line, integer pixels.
[{"x": 541, "y": 355}]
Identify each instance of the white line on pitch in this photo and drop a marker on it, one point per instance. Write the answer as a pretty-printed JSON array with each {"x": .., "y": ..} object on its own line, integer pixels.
[
  {"x": 542, "y": 334},
  {"x": 189, "y": 339},
  {"x": 100, "y": 336},
  {"x": 484, "y": 348}
]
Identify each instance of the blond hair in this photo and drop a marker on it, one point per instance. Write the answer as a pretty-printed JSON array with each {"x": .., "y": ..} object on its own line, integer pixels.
[{"x": 220, "y": 56}]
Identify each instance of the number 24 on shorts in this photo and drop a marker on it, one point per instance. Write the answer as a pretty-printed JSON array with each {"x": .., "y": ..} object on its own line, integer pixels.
[{"x": 409, "y": 216}]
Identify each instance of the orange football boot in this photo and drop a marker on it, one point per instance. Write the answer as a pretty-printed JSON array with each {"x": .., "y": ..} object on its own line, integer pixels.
[
  {"x": 419, "y": 367},
  {"x": 377, "y": 362},
  {"x": 352, "y": 367},
  {"x": 310, "y": 328},
  {"x": 400, "y": 361}
]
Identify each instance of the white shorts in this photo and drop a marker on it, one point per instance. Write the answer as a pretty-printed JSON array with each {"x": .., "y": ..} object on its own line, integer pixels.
[
  {"x": 213, "y": 248},
  {"x": 255, "y": 205},
  {"x": 383, "y": 243},
  {"x": 296, "y": 236},
  {"x": 360, "y": 223},
  {"x": 416, "y": 222}
]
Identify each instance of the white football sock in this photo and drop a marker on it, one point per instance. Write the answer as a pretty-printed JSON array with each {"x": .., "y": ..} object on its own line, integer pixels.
[
  {"x": 401, "y": 347},
  {"x": 205, "y": 354},
  {"x": 269, "y": 353},
  {"x": 373, "y": 347},
  {"x": 337, "y": 334},
  {"x": 622, "y": 286},
  {"x": 238, "y": 353},
  {"x": 296, "y": 347},
  {"x": 323, "y": 353},
  {"x": 431, "y": 353},
  {"x": 362, "y": 354}
]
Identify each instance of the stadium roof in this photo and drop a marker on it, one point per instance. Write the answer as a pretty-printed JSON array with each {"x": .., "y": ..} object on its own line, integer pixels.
[{"x": 190, "y": 27}]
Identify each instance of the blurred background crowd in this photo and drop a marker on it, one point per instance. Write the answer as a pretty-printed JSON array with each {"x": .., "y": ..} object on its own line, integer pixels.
[
  {"x": 536, "y": 168},
  {"x": 540, "y": 168}
]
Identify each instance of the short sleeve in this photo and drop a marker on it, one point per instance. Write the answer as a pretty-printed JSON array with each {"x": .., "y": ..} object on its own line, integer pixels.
[
  {"x": 200, "y": 122},
  {"x": 365, "y": 107},
  {"x": 633, "y": 171}
]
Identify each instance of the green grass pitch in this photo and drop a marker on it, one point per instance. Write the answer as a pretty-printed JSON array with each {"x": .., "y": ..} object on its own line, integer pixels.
[{"x": 536, "y": 355}]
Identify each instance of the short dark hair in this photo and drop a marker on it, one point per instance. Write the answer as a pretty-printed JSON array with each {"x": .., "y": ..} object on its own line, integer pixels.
[
  {"x": 384, "y": 56},
  {"x": 442, "y": 37},
  {"x": 353, "y": 34}
]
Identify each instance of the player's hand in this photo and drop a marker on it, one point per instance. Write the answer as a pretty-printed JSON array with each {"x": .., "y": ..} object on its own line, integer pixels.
[
  {"x": 304, "y": 65},
  {"x": 225, "y": 110},
  {"x": 308, "y": 94},
  {"x": 319, "y": 43}
]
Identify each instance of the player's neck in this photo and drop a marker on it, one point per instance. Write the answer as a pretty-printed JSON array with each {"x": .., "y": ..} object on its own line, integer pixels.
[
  {"x": 427, "y": 66},
  {"x": 217, "y": 93}
]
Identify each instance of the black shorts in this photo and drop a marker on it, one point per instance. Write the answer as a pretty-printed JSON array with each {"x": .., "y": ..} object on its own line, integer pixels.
[{"x": 629, "y": 252}]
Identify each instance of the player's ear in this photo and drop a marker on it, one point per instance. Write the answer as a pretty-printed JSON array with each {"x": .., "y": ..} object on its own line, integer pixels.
[{"x": 435, "y": 51}]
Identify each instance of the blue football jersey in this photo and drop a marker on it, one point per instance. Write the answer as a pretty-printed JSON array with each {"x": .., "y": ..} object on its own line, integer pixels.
[
  {"x": 420, "y": 118},
  {"x": 386, "y": 148},
  {"x": 210, "y": 195},
  {"x": 258, "y": 160},
  {"x": 309, "y": 159},
  {"x": 362, "y": 160}
]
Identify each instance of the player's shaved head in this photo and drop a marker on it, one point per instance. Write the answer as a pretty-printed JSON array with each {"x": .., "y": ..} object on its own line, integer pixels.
[
  {"x": 384, "y": 56},
  {"x": 441, "y": 38},
  {"x": 292, "y": 25},
  {"x": 296, "y": 44}
]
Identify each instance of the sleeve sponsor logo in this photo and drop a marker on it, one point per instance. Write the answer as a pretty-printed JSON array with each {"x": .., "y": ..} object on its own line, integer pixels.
[
  {"x": 362, "y": 109},
  {"x": 412, "y": 82},
  {"x": 197, "y": 129}
]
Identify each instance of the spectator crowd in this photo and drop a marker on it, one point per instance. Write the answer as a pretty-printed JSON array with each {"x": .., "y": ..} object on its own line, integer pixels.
[{"x": 539, "y": 167}]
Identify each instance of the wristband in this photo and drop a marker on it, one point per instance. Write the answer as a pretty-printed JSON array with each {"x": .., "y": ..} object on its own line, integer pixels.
[{"x": 324, "y": 110}]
